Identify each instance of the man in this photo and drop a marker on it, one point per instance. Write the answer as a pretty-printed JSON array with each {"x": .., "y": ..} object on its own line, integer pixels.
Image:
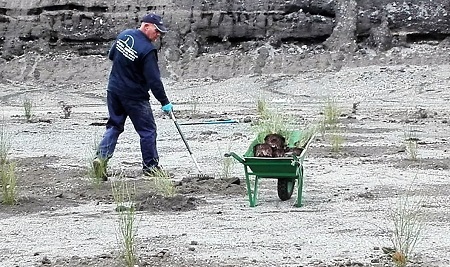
[{"x": 134, "y": 72}]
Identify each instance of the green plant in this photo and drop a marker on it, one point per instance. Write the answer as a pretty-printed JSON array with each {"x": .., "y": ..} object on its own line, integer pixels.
[
  {"x": 261, "y": 108},
  {"x": 8, "y": 182},
  {"x": 331, "y": 112},
  {"x": 5, "y": 143},
  {"x": 8, "y": 178},
  {"x": 163, "y": 184},
  {"x": 270, "y": 122},
  {"x": 28, "y": 108},
  {"x": 411, "y": 143},
  {"x": 125, "y": 207},
  {"x": 407, "y": 225},
  {"x": 194, "y": 102},
  {"x": 227, "y": 164},
  {"x": 307, "y": 133},
  {"x": 337, "y": 139}
]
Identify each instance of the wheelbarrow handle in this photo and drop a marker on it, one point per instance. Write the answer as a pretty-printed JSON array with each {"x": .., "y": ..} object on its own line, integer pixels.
[{"x": 235, "y": 156}]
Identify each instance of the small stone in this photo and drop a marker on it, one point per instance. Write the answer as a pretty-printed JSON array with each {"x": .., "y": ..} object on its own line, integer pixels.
[{"x": 46, "y": 260}]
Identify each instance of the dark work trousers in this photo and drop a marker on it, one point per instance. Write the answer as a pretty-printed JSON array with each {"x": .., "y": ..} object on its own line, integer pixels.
[{"x": 141, "y": 116}]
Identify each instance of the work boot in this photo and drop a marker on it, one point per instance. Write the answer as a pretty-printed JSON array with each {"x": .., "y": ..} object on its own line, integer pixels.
[
  {"x": 99, "y": 166},
  {"x": 153, "y": 171}
]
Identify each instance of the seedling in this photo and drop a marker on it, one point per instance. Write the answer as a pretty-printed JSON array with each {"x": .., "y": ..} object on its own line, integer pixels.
[
  {"x": 5, "y": 143},
  {"x": 261, "y": 108},
  {"x": 8, "y": 179},
  {"x": 8, "y": 182},
  {"x": 125, "y": 207},
  {"x": 270, "y": 122},
  {"x": 331, "y": 112},
  {"x": 194, "y": 101},
  {"x": 162, "y": 183},
  {"x": 337, "y": 139},
  {"x": 28, "y": 109},
  {"x": 307, "y": 134},
  {"x": 411, "y": 140},
  {"x": 227, "y": 164},
  {"x": 407, "y": 223}
]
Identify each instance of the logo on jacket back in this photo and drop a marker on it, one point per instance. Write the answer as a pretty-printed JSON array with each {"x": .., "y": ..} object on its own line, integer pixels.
[{"x": 125, "y": 47}]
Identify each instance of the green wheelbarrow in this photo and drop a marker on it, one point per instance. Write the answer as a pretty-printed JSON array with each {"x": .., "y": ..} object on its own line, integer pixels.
[{"x": 287, "y": 170}]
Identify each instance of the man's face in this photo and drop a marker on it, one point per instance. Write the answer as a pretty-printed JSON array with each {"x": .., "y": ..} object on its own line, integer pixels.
[{"x": 151, "y": 31}]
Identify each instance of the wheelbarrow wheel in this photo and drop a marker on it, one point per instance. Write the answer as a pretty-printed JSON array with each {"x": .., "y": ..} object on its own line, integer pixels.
[{"x": 285, "y": 188}]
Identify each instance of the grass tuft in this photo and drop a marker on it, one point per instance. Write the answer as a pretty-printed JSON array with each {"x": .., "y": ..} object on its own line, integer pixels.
[
  {"x": 227, "y": 164},
  {"x": 407, "y": 225},
  {"x": 5, "y": 143},
  {"x": 307, "y": 133},
  {"x": 28, "y": 109},
  {"x": 194, "y": 103},
  {"x": 331, "y": 112},
  {"x": 336, "y": 139},
  {"x": 8, "y": 180},
  {"x": 8, "y": 183},
  {"x": 126, "y": 209},
  {"x": 271, "y": 122},
  {"x": 329, "y": 123},
  {"x": 163, "y": 184},
  {"x": 411, "y": 143}
]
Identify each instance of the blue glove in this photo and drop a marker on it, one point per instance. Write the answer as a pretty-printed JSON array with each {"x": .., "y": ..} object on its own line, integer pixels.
[{"x": 167, "y": 107}]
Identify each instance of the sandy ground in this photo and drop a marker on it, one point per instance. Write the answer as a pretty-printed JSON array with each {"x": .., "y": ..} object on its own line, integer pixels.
[{"x": 63, "y": 220}]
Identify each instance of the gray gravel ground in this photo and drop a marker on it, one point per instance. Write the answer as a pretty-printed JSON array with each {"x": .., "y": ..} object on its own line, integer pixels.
[{"x": 347, "y": 195}]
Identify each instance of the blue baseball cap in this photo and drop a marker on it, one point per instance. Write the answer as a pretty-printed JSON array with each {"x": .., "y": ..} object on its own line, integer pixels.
[{"x": 155, "y": 20}]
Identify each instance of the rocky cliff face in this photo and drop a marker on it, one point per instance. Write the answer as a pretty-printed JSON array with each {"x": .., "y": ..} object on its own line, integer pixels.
[{"x": 249, "y": 28}]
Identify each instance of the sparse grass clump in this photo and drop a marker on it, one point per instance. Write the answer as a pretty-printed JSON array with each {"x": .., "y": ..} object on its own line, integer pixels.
[
  {"x": 331, "y": 112},
  {"x": 28, "y": 108},
  {"x": 8, "y": 183},
  {"x": 329, "y": 123},
  {"x": 124, "y": 199},
  {"x": 336, "y": 139},
  {"x": 271, "y": 122},
  {"x": 407, "y": 225},
  {"x": 163, "y": 184},
  {"x": 261, "y": 108},
  {"x": 194, "y": 101},
  {"x": 8, "y": 178},
  {"x": 411, "y": 143},
  {"x": 5, "y": 143},
  {"x": 227, "y": 164},
  {"x": 307, "y": 133}
]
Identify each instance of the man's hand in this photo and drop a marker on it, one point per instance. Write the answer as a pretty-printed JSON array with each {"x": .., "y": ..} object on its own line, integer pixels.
[{"x": 167, "y": 108}]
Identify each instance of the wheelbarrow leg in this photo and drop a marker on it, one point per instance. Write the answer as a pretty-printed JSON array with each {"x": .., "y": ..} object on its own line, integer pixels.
[
  {"x": 252, "y": 189},
  {"x": 299, "y": 185}
]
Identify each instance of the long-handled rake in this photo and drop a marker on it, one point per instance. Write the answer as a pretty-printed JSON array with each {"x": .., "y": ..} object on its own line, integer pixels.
[{"x": 184, "y": 140}]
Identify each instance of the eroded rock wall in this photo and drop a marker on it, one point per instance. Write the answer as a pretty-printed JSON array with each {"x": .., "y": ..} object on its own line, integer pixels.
[{"x": 199, "y": 27}]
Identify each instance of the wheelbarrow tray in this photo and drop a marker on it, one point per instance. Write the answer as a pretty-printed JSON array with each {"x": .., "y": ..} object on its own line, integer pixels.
[
  {"x": 272, "y": 167},
  {"x": 288, "y": 170}
]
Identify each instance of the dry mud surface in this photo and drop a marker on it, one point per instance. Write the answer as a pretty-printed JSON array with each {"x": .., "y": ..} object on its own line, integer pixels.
[{"x": 62, "y": 219}]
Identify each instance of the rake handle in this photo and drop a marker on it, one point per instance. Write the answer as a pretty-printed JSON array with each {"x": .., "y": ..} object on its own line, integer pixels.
[{"x": 184, "y": 140}]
